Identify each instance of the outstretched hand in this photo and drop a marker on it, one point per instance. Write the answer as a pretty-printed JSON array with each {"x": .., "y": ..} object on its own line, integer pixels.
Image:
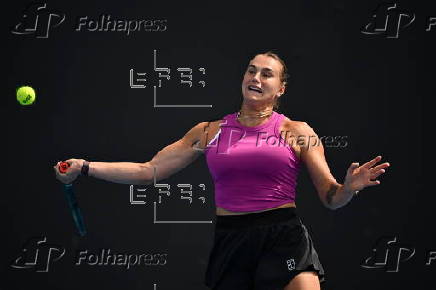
[{"x": 359, "y": 177}]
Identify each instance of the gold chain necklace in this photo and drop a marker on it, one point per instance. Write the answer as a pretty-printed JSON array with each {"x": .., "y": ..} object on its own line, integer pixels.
[{"x": 258, "y": 115}]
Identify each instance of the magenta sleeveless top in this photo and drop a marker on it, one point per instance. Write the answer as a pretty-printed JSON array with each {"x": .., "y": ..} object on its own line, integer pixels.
[{"x": 252, "y": 168}]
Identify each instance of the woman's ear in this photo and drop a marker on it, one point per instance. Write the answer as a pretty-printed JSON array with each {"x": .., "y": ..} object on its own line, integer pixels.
[{"x": 283, "y": 88}]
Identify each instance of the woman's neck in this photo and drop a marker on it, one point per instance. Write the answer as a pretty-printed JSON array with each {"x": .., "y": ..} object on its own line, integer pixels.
[{"x": 253, "y": 117}]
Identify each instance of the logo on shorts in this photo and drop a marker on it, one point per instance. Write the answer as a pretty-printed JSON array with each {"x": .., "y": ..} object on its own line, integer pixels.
[{"x": 291, "y": 264}]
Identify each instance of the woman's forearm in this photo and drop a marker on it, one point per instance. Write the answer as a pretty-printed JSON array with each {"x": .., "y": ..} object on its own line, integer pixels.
[
  {"x": 122, "y": 172},
  {"x": 338, "y": 196}
]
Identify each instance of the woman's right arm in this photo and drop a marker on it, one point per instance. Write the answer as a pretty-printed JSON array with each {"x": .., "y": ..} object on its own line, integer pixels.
[{"x": 167, "y": 161}]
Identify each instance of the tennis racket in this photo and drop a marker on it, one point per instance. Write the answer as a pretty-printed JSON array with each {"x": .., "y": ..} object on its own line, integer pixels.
[{"x": 72, "y": 202}]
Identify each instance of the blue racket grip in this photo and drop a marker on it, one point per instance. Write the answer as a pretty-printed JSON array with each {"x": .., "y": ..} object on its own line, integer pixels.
[{"x": 75, "y": 210}]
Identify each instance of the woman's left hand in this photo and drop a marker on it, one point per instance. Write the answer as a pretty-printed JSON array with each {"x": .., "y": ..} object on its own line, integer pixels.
[{"x": 359, "y": 177}]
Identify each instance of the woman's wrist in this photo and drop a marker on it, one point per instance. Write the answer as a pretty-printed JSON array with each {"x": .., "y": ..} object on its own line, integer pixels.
[
  {"x": 349, "y": 190},
  {"x": 85, "y": 168}
]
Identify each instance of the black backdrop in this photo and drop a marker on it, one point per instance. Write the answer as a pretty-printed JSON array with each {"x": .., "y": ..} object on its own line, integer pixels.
[{"x": 371, "y": 89}]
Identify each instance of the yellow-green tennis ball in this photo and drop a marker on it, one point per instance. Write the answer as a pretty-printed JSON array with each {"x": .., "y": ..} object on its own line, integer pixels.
[{"x": 25, "y": 95}]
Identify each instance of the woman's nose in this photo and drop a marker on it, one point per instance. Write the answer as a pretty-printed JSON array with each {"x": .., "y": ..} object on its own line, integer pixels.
[{"x": 256, "y": 77}]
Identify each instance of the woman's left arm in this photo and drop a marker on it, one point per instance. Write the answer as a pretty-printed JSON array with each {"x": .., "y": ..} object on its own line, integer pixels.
[{"x": 333, "y": 194}]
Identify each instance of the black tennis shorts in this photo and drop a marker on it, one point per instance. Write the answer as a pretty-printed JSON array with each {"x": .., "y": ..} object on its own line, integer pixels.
[{"x": 260, "y": 251}]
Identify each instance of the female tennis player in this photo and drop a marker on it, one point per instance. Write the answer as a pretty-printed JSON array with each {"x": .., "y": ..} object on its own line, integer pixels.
[{"x": 254, "y": 157}]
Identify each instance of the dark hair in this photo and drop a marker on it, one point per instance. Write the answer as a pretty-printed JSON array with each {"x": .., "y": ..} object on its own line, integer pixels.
[{"x": 283, "y": 74}]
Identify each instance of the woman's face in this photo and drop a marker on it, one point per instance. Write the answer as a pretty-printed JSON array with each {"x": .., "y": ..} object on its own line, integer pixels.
[{"x": 262, "y": 80}]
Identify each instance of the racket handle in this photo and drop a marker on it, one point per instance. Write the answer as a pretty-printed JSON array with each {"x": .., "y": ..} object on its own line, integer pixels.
[
  {"x": 75, "y": 210},
  {"x": 72, "y": 202}
]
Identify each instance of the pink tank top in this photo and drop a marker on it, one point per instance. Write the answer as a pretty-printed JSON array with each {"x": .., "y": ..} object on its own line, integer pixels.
[{"x": 253, "y": 168}]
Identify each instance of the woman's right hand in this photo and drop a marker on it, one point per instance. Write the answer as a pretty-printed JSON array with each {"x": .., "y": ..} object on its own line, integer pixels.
[{"x": 72, "y": 172}]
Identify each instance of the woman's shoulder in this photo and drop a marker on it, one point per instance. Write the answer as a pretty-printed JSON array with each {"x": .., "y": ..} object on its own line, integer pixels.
[
  {"x": 216, "y": 121},
  {"x": 211, "y": 123},
  {"x": 295, "y": 125},
  {"x": 220, "y": 117}
]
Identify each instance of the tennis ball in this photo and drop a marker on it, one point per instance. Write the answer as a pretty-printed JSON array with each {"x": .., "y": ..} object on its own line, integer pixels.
[{"x": 25, "y": 95}]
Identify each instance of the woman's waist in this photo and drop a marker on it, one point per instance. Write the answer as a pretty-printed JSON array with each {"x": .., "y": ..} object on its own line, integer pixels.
[
  {"x": 249, "y": 197},
  {"x": 265, "y": 217},
  {"x": 224, "y": 212}
]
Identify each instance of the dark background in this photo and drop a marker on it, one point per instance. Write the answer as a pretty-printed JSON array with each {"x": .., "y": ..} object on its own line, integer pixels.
[{"x": 372, "y": 89}]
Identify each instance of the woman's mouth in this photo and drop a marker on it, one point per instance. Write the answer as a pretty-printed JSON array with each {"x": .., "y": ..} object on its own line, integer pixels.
[{"x": 255, "y": 89}]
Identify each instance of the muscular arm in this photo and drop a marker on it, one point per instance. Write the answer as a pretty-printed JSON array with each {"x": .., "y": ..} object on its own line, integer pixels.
[
  {"x": 331, "y": 193},
  {"x": 167, "y": 161}
]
